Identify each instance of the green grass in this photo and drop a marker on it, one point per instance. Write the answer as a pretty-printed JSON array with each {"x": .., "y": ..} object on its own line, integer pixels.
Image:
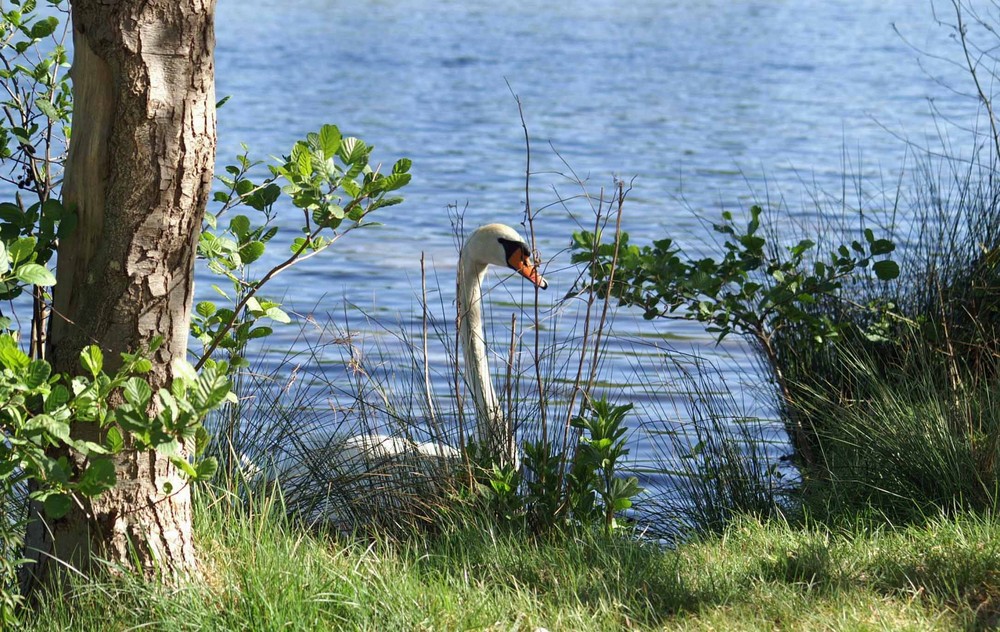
[{"x": 261, "y": 572}]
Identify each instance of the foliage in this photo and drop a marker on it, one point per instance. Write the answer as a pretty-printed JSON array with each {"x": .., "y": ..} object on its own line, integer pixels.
[
  {"x": 41, "y": 410},
  {"x": 754, "y": 289},
  {"x": 43, "y": 416},
  {"x": 34, "y": 130},
  {"x": 757, "y": 289},
  {"x": 601, "y": 448},
  {"x": 591, "y": 493},
  {"x": 330, "y": 179},
  {"x": 326, "y": 176}
]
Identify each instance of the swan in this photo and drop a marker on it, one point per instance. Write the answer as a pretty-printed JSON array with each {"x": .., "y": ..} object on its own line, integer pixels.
[
  {"x": 354, "y": 458},
  {"x": 502, "y": 246}
]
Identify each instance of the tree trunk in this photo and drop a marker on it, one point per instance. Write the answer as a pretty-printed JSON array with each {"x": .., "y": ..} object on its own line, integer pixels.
[{"x": 139, "y": 174}]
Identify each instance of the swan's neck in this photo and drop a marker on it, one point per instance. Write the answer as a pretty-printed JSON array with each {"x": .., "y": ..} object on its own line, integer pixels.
[{"x": 493, "y": 431}]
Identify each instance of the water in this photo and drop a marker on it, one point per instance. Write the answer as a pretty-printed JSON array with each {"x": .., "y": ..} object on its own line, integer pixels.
[{"x": 708, "y": 105}]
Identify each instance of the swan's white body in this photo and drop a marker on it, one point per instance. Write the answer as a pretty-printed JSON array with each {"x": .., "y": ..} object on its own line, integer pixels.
[{"x": 498, "y": 245}]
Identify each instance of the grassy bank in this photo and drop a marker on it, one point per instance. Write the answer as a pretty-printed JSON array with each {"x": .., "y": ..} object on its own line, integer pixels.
[{"x": 261, "y": 572}]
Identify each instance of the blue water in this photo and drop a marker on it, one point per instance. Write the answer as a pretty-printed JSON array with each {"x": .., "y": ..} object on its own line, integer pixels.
[{"x": 702, "y": 105}]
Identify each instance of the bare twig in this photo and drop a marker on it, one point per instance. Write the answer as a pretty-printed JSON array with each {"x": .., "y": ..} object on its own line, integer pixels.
[
  {"x": 530, "y": 219},
  {"x": 972, "y": 66}
]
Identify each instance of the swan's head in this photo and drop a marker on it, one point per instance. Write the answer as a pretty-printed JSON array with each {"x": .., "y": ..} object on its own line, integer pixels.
[{"x": 500, "y": 245}]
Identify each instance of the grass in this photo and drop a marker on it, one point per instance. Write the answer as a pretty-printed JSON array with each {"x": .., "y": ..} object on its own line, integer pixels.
[{"x": 262, "y": 572}]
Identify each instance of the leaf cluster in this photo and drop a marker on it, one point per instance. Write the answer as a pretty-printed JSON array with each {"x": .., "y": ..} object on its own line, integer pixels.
[
  {"x": 329, "y": 178},
  {"x": 756, "y": 287},
  {"x": 598, "y": 457},
  {"x": 42, "y": 414},
  {"x": 546, "y": 493}
]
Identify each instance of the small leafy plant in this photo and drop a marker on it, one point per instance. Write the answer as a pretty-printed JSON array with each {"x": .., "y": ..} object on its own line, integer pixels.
[
  {"x": 592, "y": 493},
  {"x": 601, "y": 448}
]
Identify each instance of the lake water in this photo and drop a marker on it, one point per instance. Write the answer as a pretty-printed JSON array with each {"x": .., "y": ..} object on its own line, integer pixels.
[{"x": 703, "y": 105}]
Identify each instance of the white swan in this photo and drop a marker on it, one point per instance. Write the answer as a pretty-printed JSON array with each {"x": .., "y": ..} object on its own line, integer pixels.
[
  {"x": 498, "y": 245},
  {"x": 354, "y": 459}
]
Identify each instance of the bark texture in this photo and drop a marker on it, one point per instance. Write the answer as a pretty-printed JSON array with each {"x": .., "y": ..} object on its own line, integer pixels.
[{"x": 139, "y": 174}]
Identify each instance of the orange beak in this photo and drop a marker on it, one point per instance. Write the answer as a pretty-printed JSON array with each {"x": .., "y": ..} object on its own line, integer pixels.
[{"x": 521, "y": 262}]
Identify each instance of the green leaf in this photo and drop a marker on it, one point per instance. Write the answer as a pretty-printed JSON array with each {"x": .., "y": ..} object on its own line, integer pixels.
[
  {"x": 183, "y": 370},
  {"x": 205, "y": 308},
  {"x": 45, "y": 107},
  {"x": 886, "y": 270},
  {"x": 882, "y": 247},
  {"x": 92, "y": 359},
  {"x": 240, "y": 225},
  {"x": 137, "y": 392},
  {"x": 201, "y": 439},
  {"x": 114, "y": 439},
  {"x": 155, "y": 343},
  {"x": 254, "y": 307},
  {"x": 168, "y": 446},
  {"x": 58, "y": 430},
  {"x": 302, "y": 159},
  {"x": 57, "y": 505},
  {"x": 329, "y": 140},
  {"x": 87, "y": 447},
  {"x": 391, "y": 182},
  {"x": 22, "y": 249},
  {"x": 182, "y": 464},
  {"x": 353, "y": 151},
  {"x": 392, "y": 201},
  {"x": 277, "y": 315},
  {"x": 11, "y": 213},
  {"x": 252, "y": 251},
  {"x": 98, "y": 478},
  {"x": 402, "y": 165},
  {"x": 44, "y": 28},
  {"x": 259, "y": 332},
  {"x": 620, "y": 504},
  {"x": 210, "y": 390},
  {"x": 244, "y": 187},
  {"x": 207, "y": 469},
  {"x": 11, "y": 357},
  {"x": 351, "y": 188},
  {"x": 34, "y": 274},
  {"x": 58, "y": 396},
  {"x": 132, "y": 420},
  {"x": 38, "y": 372}
]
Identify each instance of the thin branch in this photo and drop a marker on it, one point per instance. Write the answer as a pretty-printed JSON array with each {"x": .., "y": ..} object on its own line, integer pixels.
[
  {"x": 530, "y": 218},
  {"x": 972, "y": 66}
]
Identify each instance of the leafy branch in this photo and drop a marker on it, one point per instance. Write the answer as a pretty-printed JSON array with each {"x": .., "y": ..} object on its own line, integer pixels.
[
  {"x": 329, "y": 178},
  {"x": 755, "y": 289}
]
